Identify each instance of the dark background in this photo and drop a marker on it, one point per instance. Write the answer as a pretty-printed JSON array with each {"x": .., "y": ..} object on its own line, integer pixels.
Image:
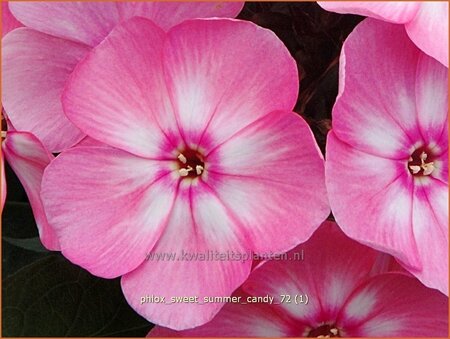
[{"x": 43, "y": 294}]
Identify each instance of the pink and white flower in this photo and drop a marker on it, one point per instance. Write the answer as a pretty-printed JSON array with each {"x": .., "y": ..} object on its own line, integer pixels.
[
  {"x": 38, "y": 59},
  {"x": 426, "y": 22},
  {"x": 348, "y": 296},
  {"x": 206, "y": 155},
  {"x": 387, "y": 164}
]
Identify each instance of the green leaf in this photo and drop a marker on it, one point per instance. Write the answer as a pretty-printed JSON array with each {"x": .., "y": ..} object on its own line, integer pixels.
[
  {"x": 31, "y": 244},
  {"x": 54, "y": 298}
]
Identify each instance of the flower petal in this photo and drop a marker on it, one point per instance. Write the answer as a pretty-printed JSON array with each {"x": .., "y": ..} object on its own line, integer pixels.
[
  {"x": 441, "y": 163},
  {"x": 215, "y": 89},
  {"x": 430, "y": 225},
  {"x": 117, "y": 93},
  {"x": 198, "y": 225},
  {"x": 396, "y": 12},
  {"x": 28, "y": 158},
  {"x": 375, "y": 110},
  {"x": 90, "y": 22},
  {"x": 85, "y": 22},
  {"x": 169, "y": 14},
  {"x": 431, "y": 93},
  {"x": 429, "y": 29},
  {"x": 333, "y": 264},
  {"x": 107, "y": 206},
  {"x": 395, "y": 305},
  {"x": 270, "y": 176},
  {"x": 9, "y": 22},
  {"x": 32, "y": 89},
  {"x": 371, "y": 199}
]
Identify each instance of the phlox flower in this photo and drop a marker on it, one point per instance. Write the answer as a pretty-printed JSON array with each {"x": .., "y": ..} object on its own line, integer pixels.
[
  {"x": 351, "y": 291},
  {"x": 37, "y": 59},
  {"x": 204, "y": 154},
  {"x": 425, "y": 22},
  {"x": 387, "y": 163}
]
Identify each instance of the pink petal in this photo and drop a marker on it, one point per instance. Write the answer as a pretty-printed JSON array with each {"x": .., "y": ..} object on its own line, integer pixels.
[
  {"x": 221, "y": 91},
  {"x": 32, "y": 88},
  {"x": 117, "y": 93},
  {"x": 90, "y": 22},
  {"x": 377, "y": 94},
  {"x": 270, "y": 177},
  {"x": 115, "y": 212},
  {"x": 89, "y": 142},
  {"x": 28, "y": 158},
  {"x": 164, "y": 332},
  {"x": 198, "y": 224},
  {"x": 371, "y": 199},
  {"x": 333, "y": 264},
  {"x": 429, "y": 29},
  {"x": 395, "y": 305},
  {"x": 441, "y": 162},
  {"x": 431, "y": 94},
  {"x": 9, "y": 22},
  {"x": 430, "y": 225},
  {"x": 396, "y": 12},
  {"x": 387, "y": 263},
  {"x": 85, "y": 22},
  {"x": 239, "y": 320},
  {"x": 169, "y": 14}
]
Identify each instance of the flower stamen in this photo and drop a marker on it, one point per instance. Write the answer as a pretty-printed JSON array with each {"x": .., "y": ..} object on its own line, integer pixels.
[
  {"x": 324, "y": 331},
  {"x": 182, "y": 158},
  {"x": 427, "y": 168},
  {"x": 199, "y": 169},
  {"x": 184, "y": 172},
  {"x": 190, "y": 163}
]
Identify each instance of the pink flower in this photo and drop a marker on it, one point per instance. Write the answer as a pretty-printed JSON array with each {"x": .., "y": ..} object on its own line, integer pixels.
[
  {"x": 426, "y": 22},
  {"x": 337, "y": 289},
  {"x": 37, "y": 60},
  {"x": 28, "y": 158},
  {"x": 387, "y": 165},
  {"x": 206, "y": 156}
]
